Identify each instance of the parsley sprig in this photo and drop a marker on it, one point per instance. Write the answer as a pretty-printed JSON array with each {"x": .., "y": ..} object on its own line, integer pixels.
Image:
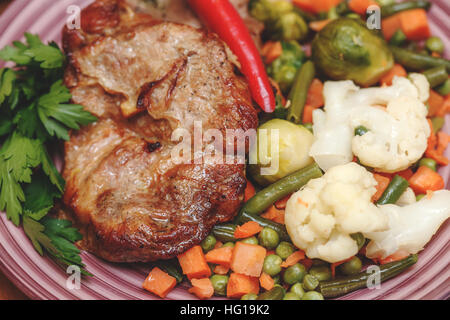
[{"x": 34, "y": 113}]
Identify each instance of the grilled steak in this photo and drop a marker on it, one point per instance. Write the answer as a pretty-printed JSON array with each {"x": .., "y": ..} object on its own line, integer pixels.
[{"x": 144, "y": 79}]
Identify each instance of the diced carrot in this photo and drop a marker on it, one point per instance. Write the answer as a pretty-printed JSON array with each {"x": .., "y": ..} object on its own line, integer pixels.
[
  {"x": 249, "y": 191},
  {"x": 221, "y": 269},
  {"x": 436, "y": 54},
  {"x": 159, "y": 282},
  {"x": 397, "y": 70},
  {"x": 281, "y": 204},
  {"x": 382, "y": 184},
  {"x": 240, "y": 284},
  {"x": 220, "y": 256},
  {"x": 333, "y": 266},
  {"x": 360, "y": 6},
  {"x": 248, "y": 229},
  {"x": 266, "y": 281},
  {"x": 445, "y": 107},
  {"x": 390, "y": 25},
  {"x": 193, "y": 263},
  {"x": 315, "y": 94},
  {"x": 443, "y": 141},
  {"x": 405, "y": 174},
  {"x": 319, "y": 24},
  {"x": 435, "y": 149},
  {"x": 248, "y": 259},
  {"x": 293, "y": 259},
  {"x": 271, "y": 51},
  {"x": 218, "y": 244},
  {"x": 308, "y": 113},
  {"x": 435, "y": 103},
  {"x": 414, "y": 24},
  {"x": 274, "y": 214},
  {"x": 426, "y": 179},
  {"x": 316, "y": 6},
  {"x": 202, "y": 288}
]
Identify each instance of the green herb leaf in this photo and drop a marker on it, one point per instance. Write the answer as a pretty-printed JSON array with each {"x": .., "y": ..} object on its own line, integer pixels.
[{"x": 7, "y": 77}]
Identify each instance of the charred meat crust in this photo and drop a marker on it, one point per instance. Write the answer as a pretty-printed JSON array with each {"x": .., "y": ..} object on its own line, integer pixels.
[{"x": 132, "y": 202}]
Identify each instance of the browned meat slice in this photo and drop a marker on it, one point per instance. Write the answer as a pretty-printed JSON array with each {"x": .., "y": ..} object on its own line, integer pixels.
[{"x": 144, "y": 79}]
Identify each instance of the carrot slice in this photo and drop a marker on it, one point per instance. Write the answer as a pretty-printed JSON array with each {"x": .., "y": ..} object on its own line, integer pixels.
[
  {"x": 414, "y": 24},
  {"x": 159, "y": 282},
  {"x": 218, "y": 244},
  {"x": 220, "y": 256},
  {"x": 390, "y": 25},
  {"x": 240, "y": 284},
  {"x": 382, "y": 184},
  {"x": 397, "y": 70},
  {"x": 293, "y": 259},
  {"x": 248, "y": 229},
  {"x": 319, "y": 25},
  {"x": 266, "y": 281},
  {"x": 219, "y": 269},
  {"x": 202, "y": 288},
  {"x": 281, "y": 204},
  {"x": 271, "y": 51},
  {"x": 360, "y": 6},
  {"x": 308, "y": 114},
  {"x": 249, "y": 191},
  {"x": 435, "y": 103},
  {"x": 248, "y": 259},
  {"x": 315, "y": 94},
  {"x": 193, "y": 263},
  {"x": 316, "y": 6},
  {"x": 435, "y": 149},
  {"x": 274, "y": 214},
  {"x": 426, "y": 179},
  {"x": 445, "y": 107}
]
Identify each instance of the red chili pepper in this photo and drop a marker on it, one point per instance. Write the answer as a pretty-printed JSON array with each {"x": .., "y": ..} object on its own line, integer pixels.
[{"x": 222, "y": 18}]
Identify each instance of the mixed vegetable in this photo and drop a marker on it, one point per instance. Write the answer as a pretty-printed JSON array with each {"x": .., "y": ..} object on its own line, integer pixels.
[{"x": 357, "y": 182}]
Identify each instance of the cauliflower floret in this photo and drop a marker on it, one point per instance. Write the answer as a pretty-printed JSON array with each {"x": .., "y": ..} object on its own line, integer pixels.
[
  {"x": 410, "y": 227},
  {"x": 321, "y": 217},
  {"x": 397, "y": 135},
  {"x": 407, "y": 197}
]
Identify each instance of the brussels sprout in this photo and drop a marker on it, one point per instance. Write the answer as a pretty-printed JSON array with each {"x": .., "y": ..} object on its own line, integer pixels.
[
  {"x": 269, "y": 10},
  {"x": 290, "y": 26},
  {"x": 346, "y": 50},
  {"x": 285, "y": 67},
  {"x": 293, "y": 151}
]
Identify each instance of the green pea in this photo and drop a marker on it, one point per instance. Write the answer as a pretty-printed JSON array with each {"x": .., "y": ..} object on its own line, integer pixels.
[
  {"x": 284, "y": 249},
  {"x": 272, "y": 265},
  {"x": 361, "y": 130},
  {"x": 310, "y": 282},
  {"x": 427, "y": 162},
  {"x": 251, "y": 240},
  {"x": 228, "y": 244},
  {"x": 312, "y": 295},
  {"x": 321, "y": 273},
  {"x": 219, "y": 283},
  {"x": 434, "y": 44},
  {"x": 291, "y": 296},
  {"x": 351, "y": 267},
  {"x": 208, "y": 243},
  {"x": 269, "y": 238},
  {"x": 297, "y": 288},
  {"x": 419, "y": 197},
  {"x": 294, "y": 273},
  {"x": 249, "y": 296}
]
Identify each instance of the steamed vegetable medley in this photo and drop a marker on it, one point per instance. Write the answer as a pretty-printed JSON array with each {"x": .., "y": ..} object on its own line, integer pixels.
[{"x": 358, "y": 145}]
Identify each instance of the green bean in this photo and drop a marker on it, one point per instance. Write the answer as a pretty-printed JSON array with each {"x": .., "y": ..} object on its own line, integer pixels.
[
  {"x": 417, "y": 61},
  {"x": 272, "y": 265},
  {"x": 269, "y": 238},
  {"x": 276, "y": 293},
  {"x": 393, "y": 192},
  {"x": 225, "y": 232},
  {"x": 351, "y": 267},
  {"x": 389, "y": 10},
  {"x": 434, "y": 44},
  {"x": 339, "y": 287},
  {"x": 310, "y": 282},
  {"x": 427, "y": 162},
  {"x": 438, "y": 123},
  {"x": 299, "y": 91},
  {"x": 436, "y": 76},
  {"x": 398, "y": 38},
  {"x": 278, "y": 190},
  {"x": 444, "y": 89},
  {"x": 208, "y": 243},
  {"x": 172, "y": 267}
]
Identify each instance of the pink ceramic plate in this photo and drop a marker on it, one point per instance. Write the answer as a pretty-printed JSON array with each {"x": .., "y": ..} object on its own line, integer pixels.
[{"x": 40, "y": 278}]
